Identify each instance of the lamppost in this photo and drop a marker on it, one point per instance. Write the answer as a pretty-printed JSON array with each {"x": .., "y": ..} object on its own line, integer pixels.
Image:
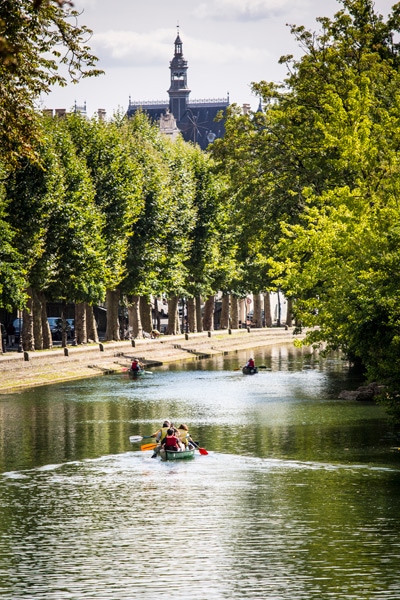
[{"x": 20, "y": 347}]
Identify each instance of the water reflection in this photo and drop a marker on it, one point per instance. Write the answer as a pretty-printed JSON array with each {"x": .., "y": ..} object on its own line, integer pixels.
[{"x": 298, "y": 497}]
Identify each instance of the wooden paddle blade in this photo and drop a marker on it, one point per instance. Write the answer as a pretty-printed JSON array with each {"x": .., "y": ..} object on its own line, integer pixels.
[
  {"x": 203, "y": 451},
  {"x": 148, "y": 446}
]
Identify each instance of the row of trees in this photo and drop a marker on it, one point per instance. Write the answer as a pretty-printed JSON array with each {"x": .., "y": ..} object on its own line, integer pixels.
[
  {"x": 315, "y": 181},
  {"x": 110, "y": 211},
  {"x": 93, "y": 210}
]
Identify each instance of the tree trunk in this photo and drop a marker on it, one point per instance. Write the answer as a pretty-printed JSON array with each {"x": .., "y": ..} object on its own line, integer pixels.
[
  {"x": 157, "y": 316},
  {"x": 234, "y": 312},
  {"x": 80, "y": 323},
  {"x": 91, "y": 325},
  {"x": 279, "y": 309},
  {"x": 199, "y": 318},
  {"x": 28, "y": 341},
  {"x": 267, "y": 310},
  {"x": 112, "y": 300},
  {"x": 257, "y": 318},
  {"x": 145, "y": 314},
  {"x": 173, "y": 323},
  {"x": 182, "y": 326},
  {"x": 225, "y": 311},
  {"x": 37, "y": 320},
  {"x": 289, "y": 315},
  {"x": 191, "y": 314},
  {"x": 47, "y": 339},
  {"x": 208, "y": 318},
  {"x": 242, "y": 311},
  {"x": 64, "y": 334},
  {"x": 135, "y": 322}
]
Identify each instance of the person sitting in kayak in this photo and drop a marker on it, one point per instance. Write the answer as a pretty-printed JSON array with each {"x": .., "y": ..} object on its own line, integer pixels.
[
  {"x": 250, "y": 363},
  {"x": 160, "y": 436},
  {"x": 162, "y": 432},
  {"x": 183, "y": 432},
  {"x": 171, "y": 441},
  {"x": 136, "y": 365}
]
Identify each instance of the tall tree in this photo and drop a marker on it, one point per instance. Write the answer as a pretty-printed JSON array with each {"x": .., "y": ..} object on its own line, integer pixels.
[
  {"x": 160, "y": 240},
  {"x": 117, "y": 179},
  {"x": 36, "y": 37},
  {"x": 339, "y": 260}
]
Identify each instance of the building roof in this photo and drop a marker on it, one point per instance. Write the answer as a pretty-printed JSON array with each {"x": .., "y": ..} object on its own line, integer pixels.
[{"x": 195, "y": 119}]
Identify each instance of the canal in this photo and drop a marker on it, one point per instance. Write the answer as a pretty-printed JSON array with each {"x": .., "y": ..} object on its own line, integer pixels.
[{"x": 298, "y": 497}]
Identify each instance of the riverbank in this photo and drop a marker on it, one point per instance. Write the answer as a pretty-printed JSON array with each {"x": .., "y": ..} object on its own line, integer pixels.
[{"x": 28, "y": 369}]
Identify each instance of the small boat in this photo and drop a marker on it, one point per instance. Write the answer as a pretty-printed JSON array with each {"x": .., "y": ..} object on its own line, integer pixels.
[
  {"x": 182, "y": 454},
  {"x": 136, "y": 373},
  {"x": 249, "y": 370}
]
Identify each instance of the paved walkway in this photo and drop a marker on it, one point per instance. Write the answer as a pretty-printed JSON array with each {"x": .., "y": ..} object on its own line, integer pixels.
[{"x": 20, "y": 370}]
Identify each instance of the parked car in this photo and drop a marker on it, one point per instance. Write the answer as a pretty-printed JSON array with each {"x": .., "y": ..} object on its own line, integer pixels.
[
  {"x": 16, "y": 324},
  {"x": 55, "y": 324},
  {"x": 56, "y": 327}
]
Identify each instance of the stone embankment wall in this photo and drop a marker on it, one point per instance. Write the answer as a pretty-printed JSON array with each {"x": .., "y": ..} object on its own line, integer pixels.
[{"x": 21, "y": 370}]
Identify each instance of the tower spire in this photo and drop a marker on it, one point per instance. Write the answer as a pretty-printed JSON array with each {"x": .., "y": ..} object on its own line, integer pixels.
[{"x": 178, "y": 90}]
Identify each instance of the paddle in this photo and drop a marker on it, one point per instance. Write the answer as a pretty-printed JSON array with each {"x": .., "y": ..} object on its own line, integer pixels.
[
  {"x": 148, "y": 446},
  {"x": 138, "y": 438},
  {"x": 202, "y": 451}
]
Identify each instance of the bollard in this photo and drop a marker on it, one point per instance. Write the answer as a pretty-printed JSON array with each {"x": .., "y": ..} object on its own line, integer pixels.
[
  {"x": 26, "y": 355},
  {"x": 101, "y": 347},
  {"x": 66, "y": 352},
  {"x": 230, "y": 331},
  {"x": 209, "y": 333},
  {"x": 133, "y": 343},
  {"x": 186, "y": 336}
]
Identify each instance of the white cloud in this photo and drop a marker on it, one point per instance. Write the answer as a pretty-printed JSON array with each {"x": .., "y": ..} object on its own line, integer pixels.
[
  {"x": 132, "y": 48},
  {"x": 242, "y": 10},
  {"x": 129, "y": 48}
]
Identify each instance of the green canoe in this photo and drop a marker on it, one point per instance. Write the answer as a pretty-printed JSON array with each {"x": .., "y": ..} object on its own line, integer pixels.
[{"x": 171, "y": 455}]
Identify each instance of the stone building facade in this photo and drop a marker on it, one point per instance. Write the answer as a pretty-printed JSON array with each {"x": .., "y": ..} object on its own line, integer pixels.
[{"x": 195, "y": 120}]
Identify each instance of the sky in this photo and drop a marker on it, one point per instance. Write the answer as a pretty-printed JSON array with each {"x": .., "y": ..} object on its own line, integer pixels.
[{"x": 228, "y": 45}]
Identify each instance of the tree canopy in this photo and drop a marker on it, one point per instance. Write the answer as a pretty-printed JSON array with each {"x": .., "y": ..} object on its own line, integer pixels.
[
  {"x": 36, "y": 39},
  {"x": 320, "y": 169}
]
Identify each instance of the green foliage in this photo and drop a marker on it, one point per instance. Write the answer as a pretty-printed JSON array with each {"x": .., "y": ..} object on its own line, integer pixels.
[
  {"x": 56, "y": 223},
  {"x": 12, "y": 269},
  {"x": 313, "y": 186},
  {"x": 160, "y": 240},
  {"x": 117, "y": 179},
  {"x": 35, "y": 38},
  {"x": 340, "y": 257},
  {"x": 75, "y": 247}
]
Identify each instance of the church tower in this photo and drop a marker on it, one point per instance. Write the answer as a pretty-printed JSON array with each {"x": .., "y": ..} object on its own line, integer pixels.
[
  {"x": 178, "y": 91},
  {"x": 198, "y": 121}
]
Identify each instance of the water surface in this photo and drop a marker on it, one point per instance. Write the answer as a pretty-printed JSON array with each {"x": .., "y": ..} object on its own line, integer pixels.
[{"x": 297, "y": 498}]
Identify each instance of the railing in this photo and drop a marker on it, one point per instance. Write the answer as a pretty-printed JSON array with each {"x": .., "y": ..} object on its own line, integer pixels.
[
  {"x": 201, "y": 101},
  {"x": 149, "y": 103}
]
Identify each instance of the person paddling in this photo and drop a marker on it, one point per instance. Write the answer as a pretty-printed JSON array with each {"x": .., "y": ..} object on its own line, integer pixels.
[
  {"x": 136, "y": 365},
  {"x": 171, "y": 441},
  {"x": 160, "y": 436}
]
